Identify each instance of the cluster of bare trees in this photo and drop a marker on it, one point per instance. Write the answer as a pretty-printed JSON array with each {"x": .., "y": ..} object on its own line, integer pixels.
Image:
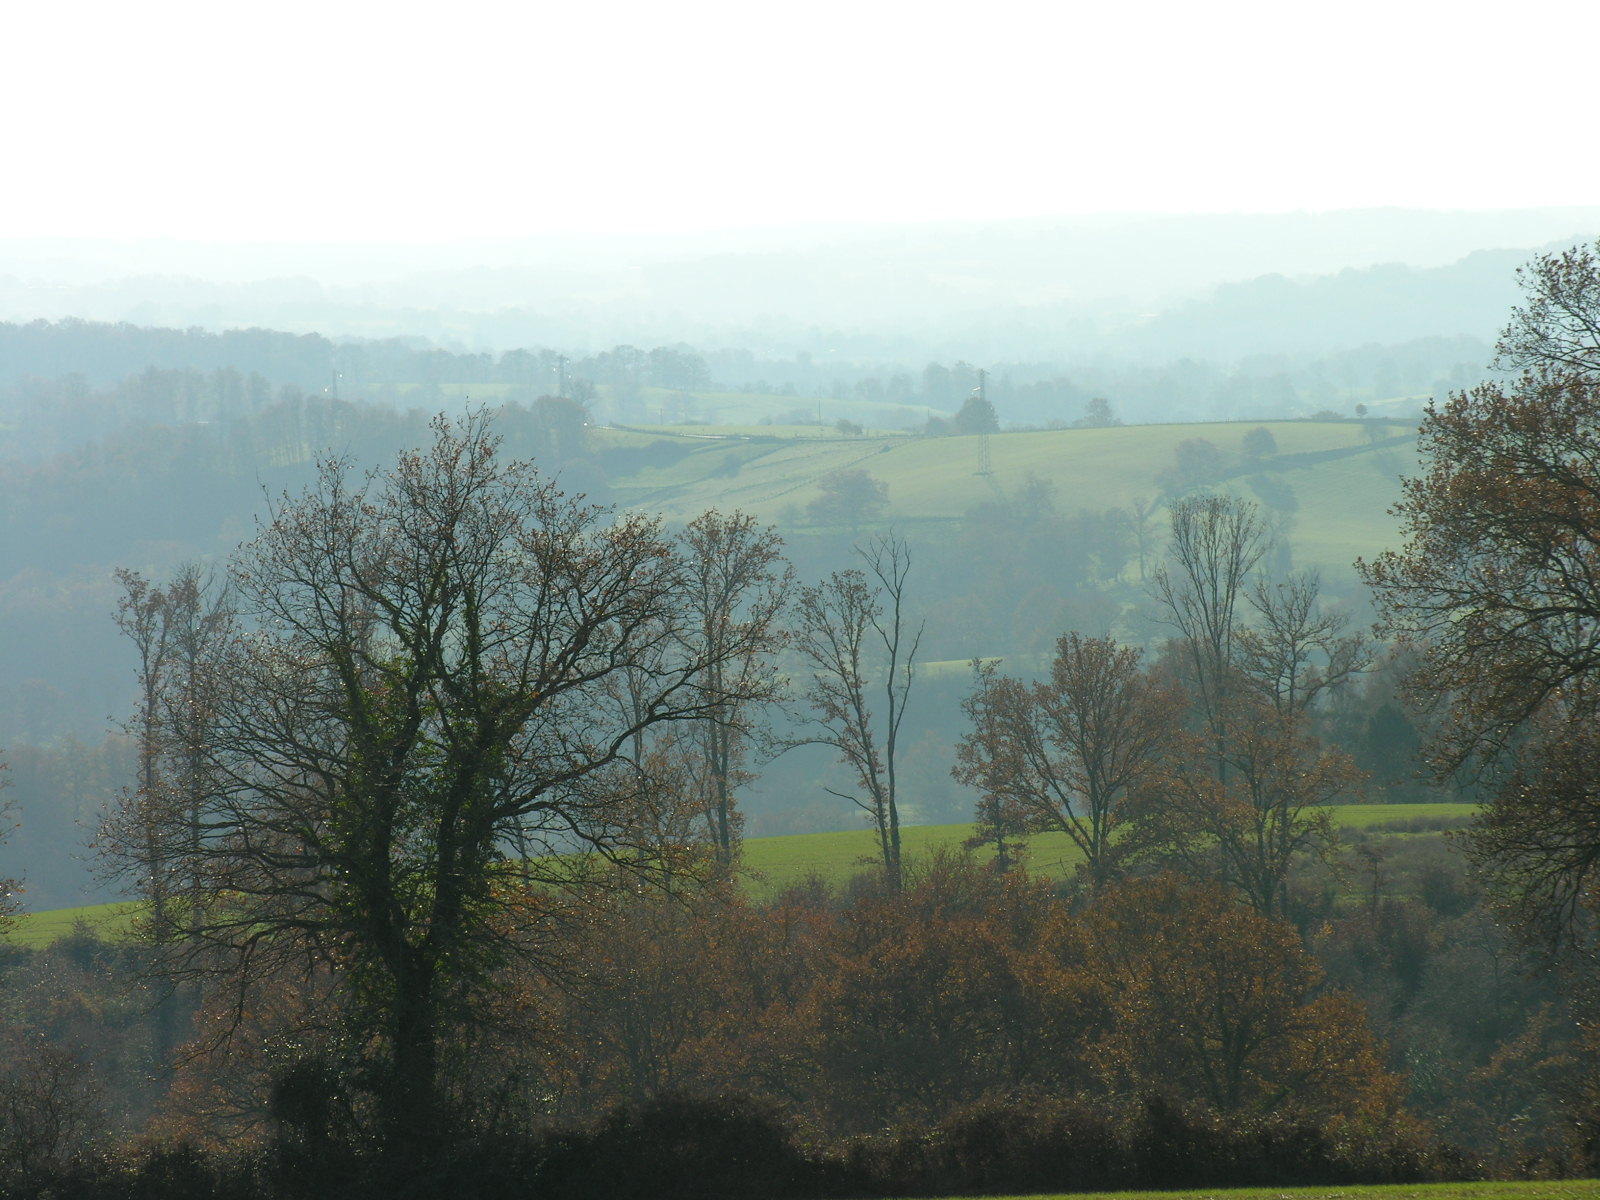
[
  {"x": 434, "y": 715},
  {"x": 839, "y": 625},
  {"x": 1204, "y": 758},
  {"x": 432, "y": 707}
]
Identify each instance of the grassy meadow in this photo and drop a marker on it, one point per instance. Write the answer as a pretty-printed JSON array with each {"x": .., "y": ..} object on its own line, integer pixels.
[
  {"x": 44, "y": 928},
  {"x": 760, "y": 411},
  {"x": 1548, "y": 1189},
  {"x": 1334, "y": 480},
  {"x": 772, "y": 864}
]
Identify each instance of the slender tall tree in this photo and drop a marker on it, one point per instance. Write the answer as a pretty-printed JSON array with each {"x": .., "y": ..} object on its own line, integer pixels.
[
  {"x": 1250, "y": 794},
  {"x": 856, "y": 635},
  {"x": 151, "y": 839},
  {"x": 1215, "y": 545},
  {"x": 10, "y": 888},
  {"x": 737, "y": 582}
]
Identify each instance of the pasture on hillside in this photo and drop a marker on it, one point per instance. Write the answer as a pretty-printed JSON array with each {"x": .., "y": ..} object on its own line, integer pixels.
[
  {"x": 1330, "y": 483},
  {"x": 771, "y": 864}
]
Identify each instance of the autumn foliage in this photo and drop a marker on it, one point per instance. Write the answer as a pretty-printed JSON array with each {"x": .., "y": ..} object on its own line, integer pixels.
[{"x": 899, "y": 1007}]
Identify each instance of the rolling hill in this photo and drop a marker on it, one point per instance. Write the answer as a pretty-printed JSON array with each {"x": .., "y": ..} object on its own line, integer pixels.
[{"x": 1331, "y": 482}]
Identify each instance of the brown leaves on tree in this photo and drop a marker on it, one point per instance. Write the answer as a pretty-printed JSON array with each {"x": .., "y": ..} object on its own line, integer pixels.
[
  {"x": 1206, "y": 998},
  {"x": 1497, "y": 591},
  {"x": 1068, "y": 753}
]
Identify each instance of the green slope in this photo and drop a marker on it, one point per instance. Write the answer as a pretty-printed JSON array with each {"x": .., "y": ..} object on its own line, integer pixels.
[
  {"x": 1339, "y": 481},
  {"x": 43, "y": 928},
  {"x": 774, "y": 863}
]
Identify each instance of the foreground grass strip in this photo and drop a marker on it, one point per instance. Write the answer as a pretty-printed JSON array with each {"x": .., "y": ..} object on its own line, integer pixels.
[{"x": 1554, "y": 1189}]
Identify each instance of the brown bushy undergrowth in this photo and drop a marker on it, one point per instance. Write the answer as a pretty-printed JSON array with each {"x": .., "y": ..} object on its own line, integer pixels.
[
  {"x": 680, "y": 1148},
  {"x": 972, "y": 1032}
]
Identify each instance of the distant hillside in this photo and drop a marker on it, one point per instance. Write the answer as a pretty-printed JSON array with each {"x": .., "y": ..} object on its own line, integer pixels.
[
  {"x": 962, "y": 288},
  {"x": 1379, "y": 305},
  {"x": 1331, "y": 483}
]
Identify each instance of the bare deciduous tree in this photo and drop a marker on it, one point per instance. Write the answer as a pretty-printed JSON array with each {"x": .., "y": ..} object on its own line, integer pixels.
[
  {"x": 1248, "y": 796},
  {"x": 1216, "y": 543},
  {"x": 1067, "y": 753},
  {"x": 1556, "y": 330},
  {"x": 179, "y": 632},
  {"x": 856, "y": 635},
  {"x": 1141, "y": 510},
  {"x": 426, "y": 691},
  {"x": 150, "y": 840},
  {"x": 10, "y": 889},
  {"x": 737, "y": 583},
  {"x": 1295, "y": 652}
]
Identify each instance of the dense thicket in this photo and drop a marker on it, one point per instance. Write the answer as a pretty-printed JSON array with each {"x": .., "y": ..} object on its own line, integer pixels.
[{"x": 973, "y": 1031}]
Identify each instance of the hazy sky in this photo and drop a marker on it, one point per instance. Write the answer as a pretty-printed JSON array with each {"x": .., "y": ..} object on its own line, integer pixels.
[{"x": 336, "y": 120}]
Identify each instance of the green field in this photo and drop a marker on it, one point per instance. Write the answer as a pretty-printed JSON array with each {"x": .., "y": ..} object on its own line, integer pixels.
[
  {"x": 1556, "y": 1189},
  {"x": 774, "y": 863},
  {"x": 677, "y": 411},
  {"x": 43, "y": 928},
  {"x": 1342, "y": 481}
]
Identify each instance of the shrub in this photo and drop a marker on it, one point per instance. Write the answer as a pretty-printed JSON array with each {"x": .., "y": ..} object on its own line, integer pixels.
[{"x": 677, "y": 1148}]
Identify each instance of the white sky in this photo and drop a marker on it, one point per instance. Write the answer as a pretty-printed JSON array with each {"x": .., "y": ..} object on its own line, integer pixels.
[{"x": 335, "y": 120}]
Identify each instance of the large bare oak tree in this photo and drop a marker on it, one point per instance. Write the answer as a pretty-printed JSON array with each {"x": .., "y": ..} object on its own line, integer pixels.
[{"x": 431, "y": 722}]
